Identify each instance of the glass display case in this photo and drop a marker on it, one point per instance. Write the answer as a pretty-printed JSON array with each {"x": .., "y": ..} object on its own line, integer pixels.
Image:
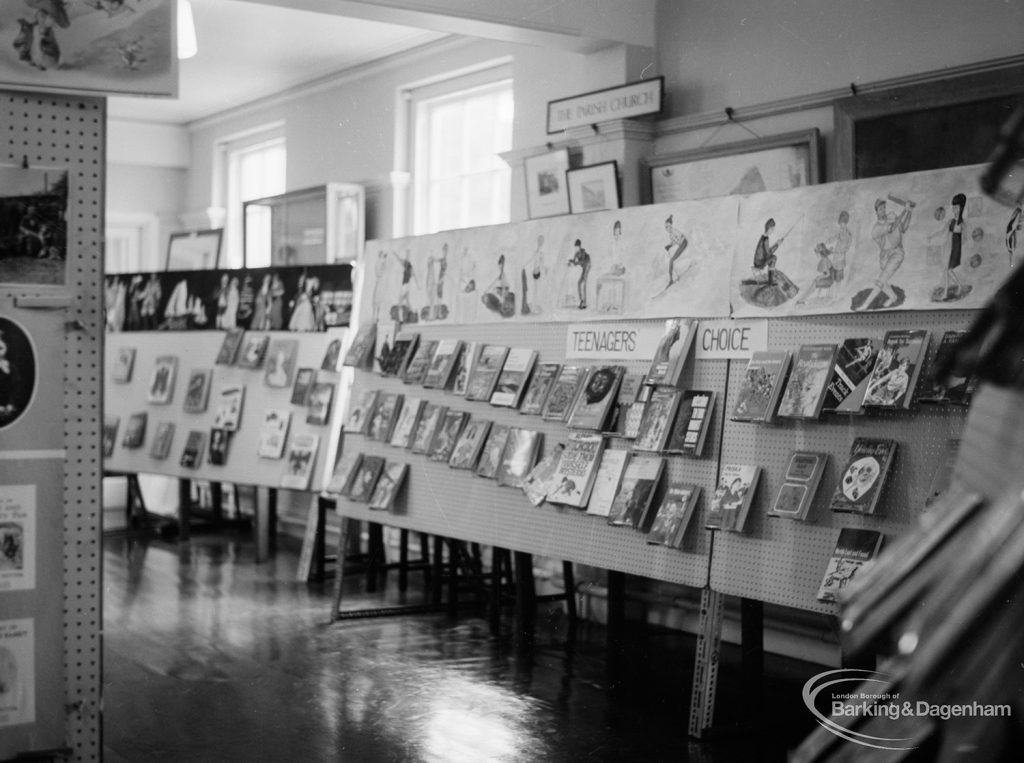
[{"x": 309, "y": 227}]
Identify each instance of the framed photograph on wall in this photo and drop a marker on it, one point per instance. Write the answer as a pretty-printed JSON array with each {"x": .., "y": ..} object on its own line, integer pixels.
[
  {"x": 762, "y": 164},
  {"x": 594, "y": 188},
  {"x": 547, "y": 194},
  {"x": 194, "y": 250}
]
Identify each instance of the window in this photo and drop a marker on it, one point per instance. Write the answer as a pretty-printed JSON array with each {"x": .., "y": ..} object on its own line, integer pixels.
[
  {"x": 458, "y": 129},
  {"x": 252, "y": 166}
]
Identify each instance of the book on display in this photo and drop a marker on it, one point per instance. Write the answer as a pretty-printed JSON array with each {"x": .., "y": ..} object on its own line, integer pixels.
[
  {"x": 761, "y": 386},
  {"x": 804, "y": 394},
  {"x": 733, "y": 496},
  {"x": 804, "y": 470},
  {"x": 573, "y": 480}
]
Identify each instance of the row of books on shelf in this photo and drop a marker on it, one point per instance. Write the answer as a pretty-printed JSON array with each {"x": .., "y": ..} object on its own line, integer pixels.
[{"x": 854, "y": 376}]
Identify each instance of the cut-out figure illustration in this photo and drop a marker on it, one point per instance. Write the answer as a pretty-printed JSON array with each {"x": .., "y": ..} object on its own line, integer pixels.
[
  {"x": 887, "y": 233},
  {"x": 1012, "y": 228},
  {"x": 839, "y": 246},
  {"x": 437, "y": 268},
  {"x": 951, "y": 287},
  {"x": 676, "y": 246},
  {"x": 499, "y": 297},
  {"x": 535, "y": 271},
  {"x": 824, "y": 281},
  {"x": 768, "y": 286},
  {"x": 380, "y": 267},
  {"x": 403, "y": 311},
  {"x": 611, "y": 286},
  {"x": 581, "y": 259}
]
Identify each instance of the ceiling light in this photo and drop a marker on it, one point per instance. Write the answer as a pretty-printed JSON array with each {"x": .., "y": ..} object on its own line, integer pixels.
[{"x": 187, "y": 45}]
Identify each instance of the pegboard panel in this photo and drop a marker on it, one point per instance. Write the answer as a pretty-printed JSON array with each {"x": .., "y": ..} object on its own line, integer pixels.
[
  {"x": 456, "y": 503},
  {"x": 782, "y": 561},
  {"x": 69, "y": 132}
]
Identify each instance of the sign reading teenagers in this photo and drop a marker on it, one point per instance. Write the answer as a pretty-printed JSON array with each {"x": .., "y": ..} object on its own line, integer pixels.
[
  {"x": 729, "y": 339},
  {"x": 615, "y": 341}
]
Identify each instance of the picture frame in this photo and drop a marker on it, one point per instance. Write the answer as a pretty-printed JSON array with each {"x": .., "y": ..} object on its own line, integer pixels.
[
  {"x": 594, "y": 187},
  {"x": 194, "y": 249},
  {"x": 773, "y": 163},
  {"x": 547, "y": 194}
]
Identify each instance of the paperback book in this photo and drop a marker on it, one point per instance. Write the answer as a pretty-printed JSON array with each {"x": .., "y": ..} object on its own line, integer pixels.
[
  {"x": 321, "y": 396},
  {"x": 854, "y": 549},
  {"x": 573, "y": 480},
  {"x": 762, "y": 383},
  {"x": 864, "y": 475},
  {"x": 511, "y": 384},
  {"x": 384, "y": 416},
  {"x": 161, "y": 384},
  {"x": 484, "y": 375},
  {"x": 360, "y": 352},
  {"x": 134, "y": 431},
  {"x": 593, "y": 405},
  {"x": 804, "y": 470},
  {"x": 629, "y": 418},
  {"x": 855, "y": 360},
  {"x": 110, "y": 425},
  {"x": 161, "y": 446},
  {"x": 197, "y": 391},
  {"x": 539, "y": 482},
  {"x": 672, "y": 353},
  {"x": 638, "y": 491},
  {"x": 219, "y": 440},
  {"x": 730, "y": 504},
  {"x": 427, "y": 426},
  {"x": 405, "y": 424},
  {"x": 300, "y": 462},
  {"x": 632, "y": 389},
  {"x": 418, "y": 366},
  {"x": 607, "y": 481},
  {"x": 279, "y": 372},
  {"x": 229, "y": 347},
  {"x": 955, "y": 390},
  {"x": 464, "y": 363},
  {"x": 897, "y": 369},
  {"x": 273, "y": 433},
  {"x": 253, "y": 350},
  {"x": 365, "y": 480},
  {"x": 229, "y": 407},
  {"x": 470, "y": 443},
  {"x": 674, "y": 514},
  {"x": 399, "y": 354},
  {"x": 518, "y": 457},
  {"x": 540, "y": 385},
  {"x": 389, "y": 485},
  {"x": 124, "y": 362},
  {"x": 447, "y": 435},
  {"x": 494, "y": 446},
  {"x": 804, "y": 395},
  {"x": 192, "y": 453},
  {"x": 563, "y": 393},
  {"x": 361, "y": 414},
  {"x": 658, "y": 419},
  {"x": 690, "y": 430},
  {"x": 303, "y": 382},
  {"x": 344, "y": 470},
  {"x": 386, "y": 333},
  {"x": 442, "y": 365}
]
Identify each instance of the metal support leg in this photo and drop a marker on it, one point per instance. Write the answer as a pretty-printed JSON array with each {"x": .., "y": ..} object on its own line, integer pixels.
[
  {"x": 339, "y": 572},
  {"x": 752, "y": 654},
  {"x": 705, "y": 669},
  {"x": 526, "y": 599}
]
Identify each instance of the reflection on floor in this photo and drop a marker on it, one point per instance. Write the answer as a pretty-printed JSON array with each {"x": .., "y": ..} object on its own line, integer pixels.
[{"x": 210, "y": 656}]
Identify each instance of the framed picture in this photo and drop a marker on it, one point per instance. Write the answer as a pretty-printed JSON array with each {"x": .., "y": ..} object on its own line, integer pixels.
[
  {"x": 762, "y": 164},
  {"x": 546, "y": 191},
  {"x": 194, "y": 250},
  {"x": 593, "y": 188}
]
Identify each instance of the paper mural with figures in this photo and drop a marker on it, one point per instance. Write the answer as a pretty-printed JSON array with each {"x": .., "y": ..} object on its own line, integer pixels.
[
  {"x": 642, "y": 262},
  {"x": 920, "y": 241}
]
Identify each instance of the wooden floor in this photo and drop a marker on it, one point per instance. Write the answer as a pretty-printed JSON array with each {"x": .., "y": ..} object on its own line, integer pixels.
[{"x": 209, "y": 656}]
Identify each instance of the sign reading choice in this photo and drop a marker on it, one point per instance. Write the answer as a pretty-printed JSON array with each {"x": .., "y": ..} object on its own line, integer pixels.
[
  {"x": 613, "y": 341},
  {"x": 725, "y": 339},
  {"x": 632, "y": 100}
]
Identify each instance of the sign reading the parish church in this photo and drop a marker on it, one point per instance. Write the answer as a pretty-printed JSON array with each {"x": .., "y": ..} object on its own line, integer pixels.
[{"x": 632, "y": 100}]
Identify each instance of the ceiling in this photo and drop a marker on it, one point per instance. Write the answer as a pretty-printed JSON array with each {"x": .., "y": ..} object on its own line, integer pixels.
[{"x": 251, "y": 50}]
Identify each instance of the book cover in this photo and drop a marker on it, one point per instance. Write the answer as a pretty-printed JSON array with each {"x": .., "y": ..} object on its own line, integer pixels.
[
  {"x": 442, "y": 365},
  {"x": 673, "y": 515},
  {"x": 389, "y": 485},
  {"x": 628, "y": 419},
  {"x": 761, "y": 385},
  {"x": 518, "y": 457},
  {"x": 300, "y": 462},
  {"x": 361, "y": 414},
  {"x": 280, "y": 369},
  {"x": 110, "y": 425},
  {"x": 574, "y": 479},
  {"x": 640, "y": 484},
  {"x": 360, "y": 352},
  {"x": 632, "y": 389},
  {"x": 385, "y": 415},
  {"x": 161, "y": 446},
  {"x": 124, "y": 362},
  {"x": 134, "y": 431},
  {"x": 402, "y": 348},
  {"x": 730, "y": 504},
  {"x": 607, "y": 481},
  {"x": 693, "y": 419},
  {"x": 386, "y": 333},
  {"x": 854, "y": 549},
  {"x": 540, "y": 482},
  {"x": 804, "y": 470},
  {"x": 161, "y": 383},
  {"x": 594, "y": 403},
  {"x": 658, "y": 419},
  {"x": 273, "y": 433},
  {"x": 344, "y": 471},
  {"x": 332, "y": 354},
  {"x": 672, "y": 353},
  {"x": 447, "y": 435},
  {"x": 405, "y": 424},
  {"x": 563, "y": 393},
  {"x": 229, "y": 347},
  {"x": 490, "y": 457},
  {"x": 366, "y": 478},
  {"x": 418, "y": 366},
  {"x": 470, "y": 443},
  {"x": 956, "y": 390},
  {"x": 426, "y": 427},
  {"x": 321, "y": 395},
  {"x": 253, "y": 350},
  {"x": 864, "y": 475},
  {"x": 485, "y": 372},
  {"x": 540, "y": 385},
  {"x": 804, "y": 394},
  {"x": 197, "y": 391},
  {"x": 219, "y": 440},
  {"x": 848, "y": 384},
  {"x": 303, "y": 382},
  {"x": 511, "y": 384},
  {"x": 192, "y": 453},
  {"x": 464, "y": 362},
  {"x": 229, "y": 407},
  {"x": 897, "y": 369},
  {"x": 943, "y": 476}
]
